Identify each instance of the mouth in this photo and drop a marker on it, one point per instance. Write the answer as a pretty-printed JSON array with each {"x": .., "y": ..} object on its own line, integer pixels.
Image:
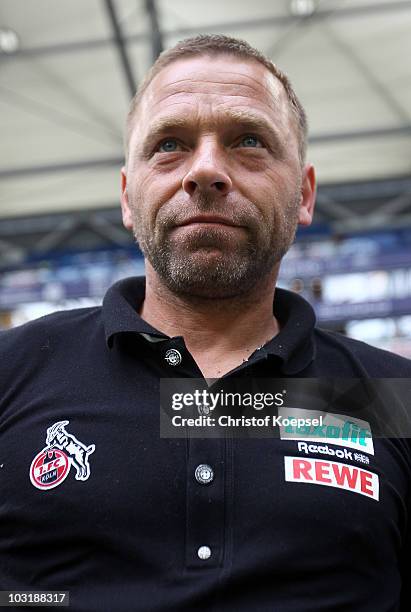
[{"x": 208, "y": 219}]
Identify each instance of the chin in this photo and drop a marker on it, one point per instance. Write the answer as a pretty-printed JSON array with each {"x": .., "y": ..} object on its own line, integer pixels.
[{"x": 218, "y": 281}]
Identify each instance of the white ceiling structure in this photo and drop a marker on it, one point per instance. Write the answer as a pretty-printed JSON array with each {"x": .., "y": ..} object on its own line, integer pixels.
[{"x": 65, "y": 91}]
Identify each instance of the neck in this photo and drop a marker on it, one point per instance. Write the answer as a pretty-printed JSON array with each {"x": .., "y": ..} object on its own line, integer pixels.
[{"x": 221, "y": 326}]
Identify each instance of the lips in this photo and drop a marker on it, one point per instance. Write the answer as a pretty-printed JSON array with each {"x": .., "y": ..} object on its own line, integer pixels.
[{"x": 208, "y": 219}]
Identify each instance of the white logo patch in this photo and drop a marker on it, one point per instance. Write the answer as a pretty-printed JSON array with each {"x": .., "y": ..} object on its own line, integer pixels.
[
  {"x": 337, "y": 429},
  {"x": 332, "y": 474}
]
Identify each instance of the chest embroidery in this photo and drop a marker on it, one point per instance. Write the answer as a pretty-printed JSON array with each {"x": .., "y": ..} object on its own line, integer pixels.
[{"x": 51, "y": 466}]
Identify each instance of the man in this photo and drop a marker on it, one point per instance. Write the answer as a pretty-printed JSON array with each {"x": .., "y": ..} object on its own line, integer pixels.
[{"x": 214, "y": 185}]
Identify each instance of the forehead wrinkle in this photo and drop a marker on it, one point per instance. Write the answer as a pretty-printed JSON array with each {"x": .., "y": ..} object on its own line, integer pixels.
[
  {"x": 195, "y": 88},
  {"x": 271, "y": 86},
  {"x": 260, "y": 82},
  {"x": 272, "y": 103},
  {"x": 207, "y": 82},
  {"x": 195, "y": 92}
]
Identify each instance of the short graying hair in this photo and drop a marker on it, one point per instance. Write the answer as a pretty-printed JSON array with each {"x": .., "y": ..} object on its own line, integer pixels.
[{"x": 219, "y": 44}]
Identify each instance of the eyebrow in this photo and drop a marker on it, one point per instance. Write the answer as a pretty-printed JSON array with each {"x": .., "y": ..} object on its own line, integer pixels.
[{"x": 233, "y": 117}]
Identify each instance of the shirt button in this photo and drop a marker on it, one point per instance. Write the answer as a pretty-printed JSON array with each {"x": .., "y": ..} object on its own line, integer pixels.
[
  {"x": 203, "y": 409},
  {"x": 204, "y": 473},
  {"x": 173, "y": 357},
  {"x": 204, "y": 552}
]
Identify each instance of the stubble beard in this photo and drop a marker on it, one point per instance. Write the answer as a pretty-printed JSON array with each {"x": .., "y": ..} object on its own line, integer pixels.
[{"x": 209, "y": 262}]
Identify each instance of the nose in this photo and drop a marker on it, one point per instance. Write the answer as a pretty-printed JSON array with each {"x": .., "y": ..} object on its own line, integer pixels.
[{"x": 208, "y": 172}]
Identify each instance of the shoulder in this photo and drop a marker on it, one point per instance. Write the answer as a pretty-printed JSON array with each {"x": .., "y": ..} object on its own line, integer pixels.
[
  {"x": 55, "y": 324},
  {"x": 45, "y": 352},
  {"x": 36, "y": 342},
  {"x": 369, "y": 360}
]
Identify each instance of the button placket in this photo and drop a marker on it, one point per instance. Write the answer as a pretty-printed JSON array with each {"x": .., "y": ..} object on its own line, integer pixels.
[{"x": 205, "y": 503}]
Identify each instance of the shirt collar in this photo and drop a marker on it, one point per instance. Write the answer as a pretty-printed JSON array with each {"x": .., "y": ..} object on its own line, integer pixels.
[
  {"x": 120, "y": 309},
  {"x": 293, "y": 345}
]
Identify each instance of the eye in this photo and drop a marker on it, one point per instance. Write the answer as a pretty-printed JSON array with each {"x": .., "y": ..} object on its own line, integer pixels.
[
  {"x": 168, "y": 146},
  {"x": 250, "y": 141}
]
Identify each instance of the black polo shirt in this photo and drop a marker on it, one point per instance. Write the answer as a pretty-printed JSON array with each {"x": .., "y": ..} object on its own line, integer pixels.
[{"x": 93, "y": 501}]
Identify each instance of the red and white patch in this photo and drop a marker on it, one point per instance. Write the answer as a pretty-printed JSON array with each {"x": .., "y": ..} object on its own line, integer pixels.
[
  {"x": 332, "y": 474},
  {"x": 49, "y": 468}
]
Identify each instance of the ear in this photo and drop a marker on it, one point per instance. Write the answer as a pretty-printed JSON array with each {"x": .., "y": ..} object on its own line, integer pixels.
[
  {"x": 308, "y": 192},
  {"x": 125, "y": 207}
]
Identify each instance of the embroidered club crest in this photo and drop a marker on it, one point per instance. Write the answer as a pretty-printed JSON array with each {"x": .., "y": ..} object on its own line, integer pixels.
[{"x": 50, "y": 467}]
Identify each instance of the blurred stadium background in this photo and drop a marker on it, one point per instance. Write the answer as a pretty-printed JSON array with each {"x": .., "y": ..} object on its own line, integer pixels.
[{"x": 68, "y": 69}]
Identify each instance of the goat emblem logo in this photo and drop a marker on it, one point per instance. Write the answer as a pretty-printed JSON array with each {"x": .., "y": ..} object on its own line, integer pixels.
[{"x": 50, "y": 467}]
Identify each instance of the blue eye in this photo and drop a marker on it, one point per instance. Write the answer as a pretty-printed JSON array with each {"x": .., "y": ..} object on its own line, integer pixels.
[
  {"x": 250, "y": 141},
  {"x": 168, "y": 146}
]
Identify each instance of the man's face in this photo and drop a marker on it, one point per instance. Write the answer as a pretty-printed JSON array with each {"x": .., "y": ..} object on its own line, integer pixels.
[{"x": 214, "y": 182}]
